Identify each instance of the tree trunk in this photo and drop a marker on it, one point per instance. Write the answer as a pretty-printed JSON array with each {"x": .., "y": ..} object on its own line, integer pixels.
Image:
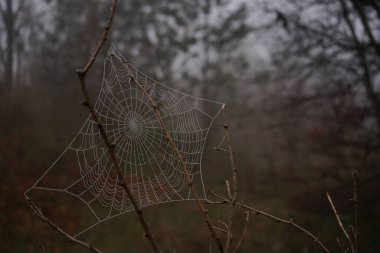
[
  {"x": 367, "y": 78},
  {"x": 8, "y": 18}
]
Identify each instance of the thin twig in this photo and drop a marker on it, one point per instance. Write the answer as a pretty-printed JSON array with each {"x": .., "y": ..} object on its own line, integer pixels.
[
  {"x": 184, "y": 168},
  {"x": 224, "y": 224},
  {"x": 244, "y": 232},
  {"x": 55, "y": 227},
  {"x": 353, "y": 232},
  {"x": 288, "y": 222},
  {"x": 82, "y": 74},
  {"x": 340, "y": 245},
  {"x": 219, "y": 149},
  {"x": 231, "y": 156},
  {"x": 216, "y": 202},
  {"x": 355, "y": 199},
  {"x": 35, "y": 234},
  {"x": 220, "y": 229},
  {"x": 340, "y": 222},
  {"x": 234, "y": 194},
  {"x": 111, "y": 146}
]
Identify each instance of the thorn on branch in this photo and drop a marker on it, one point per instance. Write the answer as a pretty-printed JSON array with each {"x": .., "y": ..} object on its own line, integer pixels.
[
  {"x": 84, "y": 103},
  {"x": 156, "y": 106},
  {"x": 228, "y": 189},
  {"x": 241, "y": 204},
  {"x": 80, "y": 72},
  {"x": 113, "y": 145},
  {"x": 353, "y": 199},
  {"x": 224, "y": 224},
  {"x": 219, "y": 149}
]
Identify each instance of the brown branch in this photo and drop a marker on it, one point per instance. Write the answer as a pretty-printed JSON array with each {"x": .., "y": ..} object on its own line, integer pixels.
[
  {"x": 340, "y": 222},
  {"x": 55, "y": 227},
  {"x": 219, "y": 149},
  {"x": 234, "y": 194},
  {"x": 102, "y": 40},
  {"x": 355, "y": 200},
  {"x": 340, "y": 245},
  {"x": 368, "y": 82},
  {"x": 359, "y": 8},
  {"x": 244, "y": 232},
  {"x": 277, "y": 219},
  {"x": 184, "y": 168},
  {"x": 220, "y": 229},
  {"x": 35, "y": 234},
  {"x": 111, "y": 146}
]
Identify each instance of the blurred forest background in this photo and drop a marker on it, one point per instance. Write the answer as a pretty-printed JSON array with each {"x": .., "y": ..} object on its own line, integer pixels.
[{"x": 300, "y": 78}]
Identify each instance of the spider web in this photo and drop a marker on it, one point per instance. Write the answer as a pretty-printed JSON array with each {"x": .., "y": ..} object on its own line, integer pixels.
[{"x": 150, "y": 165}]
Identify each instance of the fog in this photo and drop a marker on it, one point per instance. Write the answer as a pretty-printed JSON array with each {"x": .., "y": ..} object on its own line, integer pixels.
[{"x": 300, "y": 81}]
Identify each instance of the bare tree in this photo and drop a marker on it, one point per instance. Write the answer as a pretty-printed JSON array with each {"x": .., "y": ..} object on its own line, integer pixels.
[{"x": 15, "y": 23}]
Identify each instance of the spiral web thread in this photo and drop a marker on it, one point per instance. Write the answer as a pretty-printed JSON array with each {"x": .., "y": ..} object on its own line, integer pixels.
[{"x": 150, "y": 165}]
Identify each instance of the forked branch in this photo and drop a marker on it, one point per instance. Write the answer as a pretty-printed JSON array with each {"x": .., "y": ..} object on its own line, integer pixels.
[
  {"x": 36, "y": 236},
  {"x": 55, "y": 227},
  {"x": 111, "y": 146},
  {"x": 270, "y": 216},
  {"x": 353, "y": 237},
  {"x": 355, "y": 200},
  {"x": 244, "y": 232},
  {"x": 204, "y": 212},
  {"x": 234, "y": 194},
  {"x": 336, "y": 214}
]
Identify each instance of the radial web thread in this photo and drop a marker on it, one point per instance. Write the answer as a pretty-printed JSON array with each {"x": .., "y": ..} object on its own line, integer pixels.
[{"x": 149, "y": 163}]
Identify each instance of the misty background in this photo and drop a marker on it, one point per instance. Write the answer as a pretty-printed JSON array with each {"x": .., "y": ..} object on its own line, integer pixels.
[{"x": 300, "y": 79}]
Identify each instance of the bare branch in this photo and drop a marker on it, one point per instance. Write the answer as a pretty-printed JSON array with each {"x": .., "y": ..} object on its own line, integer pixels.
[
  {"x": 36, "y": 237},
  {"x": 46, "y": 220},
  {"x": 219, "y": 149},
  {"x": 110, "y": 147},
  {"x": 340, "y": 222},
  {"x": 224, "y": 224},
  {"x": 184, "y": 168},
  {"x": 368, "y": 82},
  {"x": 270, "y": 216},
  {"x": 234, "y": 195},
  {"x": 340, "y": 245},
  {"x": 220, "y": 229},
  {"x": 101, "y": 41},
  {"x": 358, "y": 6},
  {"x": 231, "y": 156},
  {"x": 355, "y": 199},
  {"x": 216, "y": 202},
  {"x": 244, "y": 232}
]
